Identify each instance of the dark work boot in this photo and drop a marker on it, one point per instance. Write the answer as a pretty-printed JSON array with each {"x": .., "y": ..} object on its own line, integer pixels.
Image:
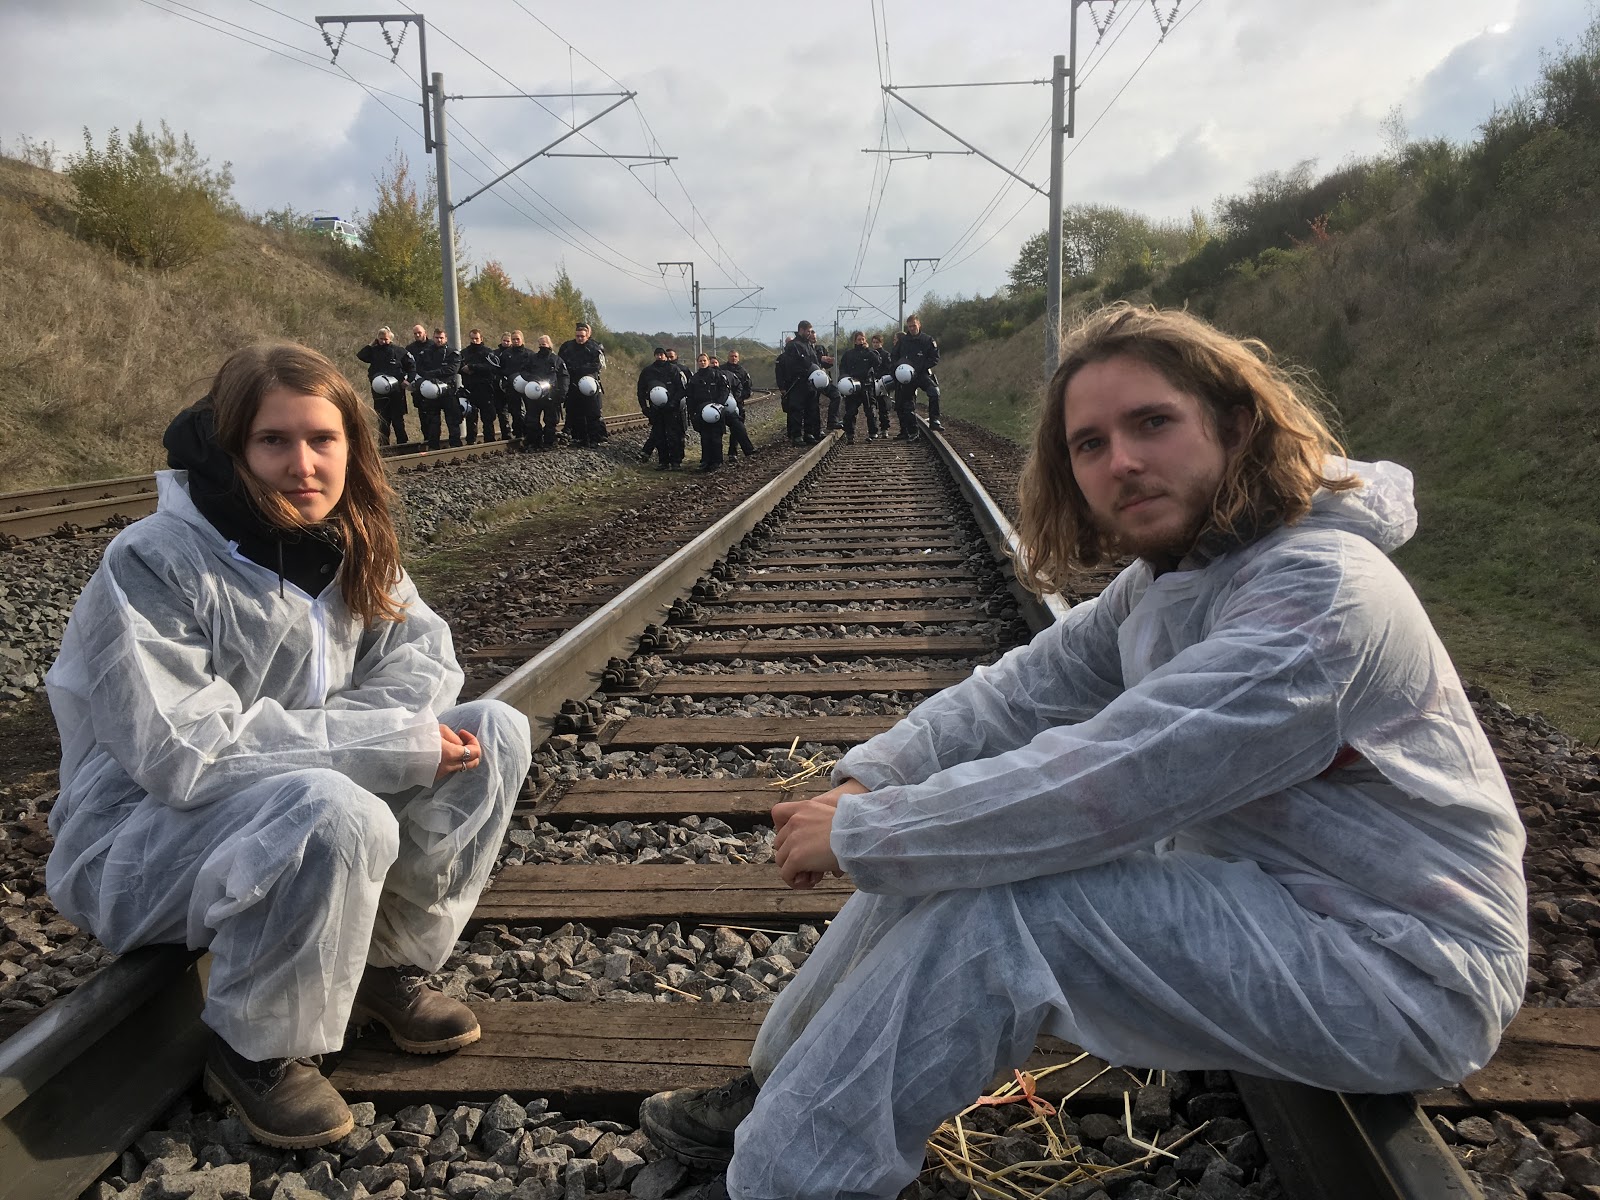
[
  {"x": 283, "y": 1102},
  {"x": 695, "y": 1125},
  {"x": 420, "y": 1019}
]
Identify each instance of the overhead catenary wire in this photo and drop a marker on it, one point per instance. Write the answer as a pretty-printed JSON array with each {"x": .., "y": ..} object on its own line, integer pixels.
[
  {"x": 715, "y": 257},
  {"x": 549, "y": 224},
  {"x": 1026, "y": 158},
  {"x": 315, "y": 66},
  {"x": 1078, "y": 141},
  {"x": 338, "y": 71}
]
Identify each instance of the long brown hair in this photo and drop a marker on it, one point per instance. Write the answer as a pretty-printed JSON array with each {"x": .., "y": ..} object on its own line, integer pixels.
[
  {"x": 1269, "y": 480},
  {"x": 366, "y": 530}
]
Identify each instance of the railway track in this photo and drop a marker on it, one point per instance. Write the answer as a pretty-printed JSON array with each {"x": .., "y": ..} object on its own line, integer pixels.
[
  {"x": 807, "y": 620},
  {"x": 75, "y": 508}
]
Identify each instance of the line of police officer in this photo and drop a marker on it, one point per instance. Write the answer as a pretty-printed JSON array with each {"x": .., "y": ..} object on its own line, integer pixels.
[
  {"x": 710, "y": 399},
  {"x": 868, "y": 376},
  {"x": 517, "y": 388}
]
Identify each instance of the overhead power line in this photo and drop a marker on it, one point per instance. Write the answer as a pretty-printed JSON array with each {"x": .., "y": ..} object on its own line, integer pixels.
[
  {"x": 718, "y": 255},
  {"x": 208, "y": 23}
]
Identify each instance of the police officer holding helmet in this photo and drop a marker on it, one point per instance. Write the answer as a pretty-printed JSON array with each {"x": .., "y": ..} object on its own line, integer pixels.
[
  {"x": 516, "y": 363},
  {"x": 920, "y": 352},
  {"x": 545, "y": 411},
  {"x": 480, "y": 374},
  {"x": 391, "y": 365},
  {"x": 708, "y": 392},
  {"x": 661, "y": 399},
  {"x": 859, "y": 365},
  {"x": 585, "y": 359},
  {"x": 437, "y": 366}
]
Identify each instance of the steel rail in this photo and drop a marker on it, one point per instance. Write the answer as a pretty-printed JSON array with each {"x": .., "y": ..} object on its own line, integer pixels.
[
  {"x": 570, "y": 668},
  {"x": 998, "y": 532},
  {"x": 92, "y": 1071}
]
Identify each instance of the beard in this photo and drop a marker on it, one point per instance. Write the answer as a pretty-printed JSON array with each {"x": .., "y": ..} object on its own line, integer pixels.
[{"x": 1164, "y": 540}]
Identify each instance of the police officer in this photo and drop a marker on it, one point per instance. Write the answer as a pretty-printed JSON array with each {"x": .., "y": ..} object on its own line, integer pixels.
[
  {"x": 742, "y": 384},
  {"x": 801, "y": 400},
  {"x": 708, "y": 388},
  {"x": 584, "y": 357},
  {"x": 438, "y": 363},
  {"x": 480, "y": 374},
  {"x": 882, "y": 365},
  {"x": 502, "y": 390},
  {"x": 516, "y": 360},
  {"x": 667, "y": 432},
  {"x": 546, "y": 411},
  {"x": 419, "y": 343},
  {"x": 383, "y": 357},
  {"x": 921, "y": 352},
  {"x": 734, "y": 414},
  {"x": 859, "y": 364}
]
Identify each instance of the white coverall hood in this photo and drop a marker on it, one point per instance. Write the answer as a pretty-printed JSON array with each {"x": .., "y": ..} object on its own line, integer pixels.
[{"x": 1382, "y": 509}]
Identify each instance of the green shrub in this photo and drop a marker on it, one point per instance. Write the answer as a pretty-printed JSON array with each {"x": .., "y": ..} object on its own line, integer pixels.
[
  {"x": 152, "y": 199},
  {"x": 399, "y": 253}
]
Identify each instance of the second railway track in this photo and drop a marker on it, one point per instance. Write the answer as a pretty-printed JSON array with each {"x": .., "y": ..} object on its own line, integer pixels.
[
  {"x": 636, "y": 928},
  {"x": 79, "y": 507}
]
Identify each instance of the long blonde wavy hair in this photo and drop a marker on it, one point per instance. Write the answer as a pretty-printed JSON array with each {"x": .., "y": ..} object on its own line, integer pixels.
[
  {"x": 371, "y": 565},
  {"x": 1269, "y": 480}
]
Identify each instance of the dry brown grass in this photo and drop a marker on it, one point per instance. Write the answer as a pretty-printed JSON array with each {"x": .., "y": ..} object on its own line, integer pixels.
[{"x": 97, "y": 355}]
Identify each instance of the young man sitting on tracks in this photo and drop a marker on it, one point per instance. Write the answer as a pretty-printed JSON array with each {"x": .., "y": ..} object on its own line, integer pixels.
[{"x": 1235, "y": 813}]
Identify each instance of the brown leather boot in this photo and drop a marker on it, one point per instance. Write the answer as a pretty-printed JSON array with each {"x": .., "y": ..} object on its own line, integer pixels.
[
  {"x": 420, "y": 1019},
  {"x": 283, "y": 1102}
]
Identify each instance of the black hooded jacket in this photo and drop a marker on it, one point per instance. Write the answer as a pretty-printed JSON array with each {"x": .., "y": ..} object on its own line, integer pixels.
[
  {"x": 660, "y": 372},
  {"x": 860, "y": 363},
  {"x": 514, "y": 361},
  {"x": 309, "y": 560},
  {"x": 388, "y": 360},
  {"x": 414, "y": 350},
  {"x": 547, "y": 364},
  {"x": 438, "y": 363},
  {"x": 480, "y": 367},
  {"x": 742, "y": 384},
  {"x": 583, "y": 359}
]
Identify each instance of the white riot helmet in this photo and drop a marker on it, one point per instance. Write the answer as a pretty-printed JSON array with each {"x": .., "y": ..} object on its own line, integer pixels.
[
  {"x": 905, "y": 372},
  {"x": 382, "y": 385},
  {"x": 819, "y": 379},
  {"x": 519, "y": 385},
  {"x": 466, "y": 405},
  {"x": 658, "y": 396},
  {"x": 711, "y": 414},
  {"x": 588, "y": 385},
  {"x": 847, "y": 386},
  {"x": 884, "y": 382},
  {"x": 430, "y": 390},
  {"x": 536, "y": 389},
  {"x": 731, "y": 406}
]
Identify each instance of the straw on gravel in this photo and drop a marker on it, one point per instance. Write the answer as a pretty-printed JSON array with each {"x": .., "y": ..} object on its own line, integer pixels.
[{"x": 964, "y": 1153}]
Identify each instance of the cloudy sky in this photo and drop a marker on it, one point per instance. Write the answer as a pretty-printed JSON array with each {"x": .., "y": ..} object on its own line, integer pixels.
[{"x": 767, "y": 109}]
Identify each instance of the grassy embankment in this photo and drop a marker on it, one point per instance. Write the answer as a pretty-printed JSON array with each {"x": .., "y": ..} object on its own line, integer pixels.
[
  {"x": 1475, "y": 362},
  {"x": 97, "y": 355}
]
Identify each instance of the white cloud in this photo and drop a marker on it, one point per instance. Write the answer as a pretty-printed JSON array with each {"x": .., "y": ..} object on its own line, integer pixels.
[{"x": 768, "y": 108}]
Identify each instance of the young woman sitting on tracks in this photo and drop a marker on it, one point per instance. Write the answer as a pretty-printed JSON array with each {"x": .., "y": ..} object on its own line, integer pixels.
[{"x": 262, "y": 752}]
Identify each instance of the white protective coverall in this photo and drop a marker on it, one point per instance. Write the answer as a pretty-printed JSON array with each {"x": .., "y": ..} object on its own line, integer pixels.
[
  {"x": 1126, "y": 833},
  {"x": 245, "y": 767}
]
